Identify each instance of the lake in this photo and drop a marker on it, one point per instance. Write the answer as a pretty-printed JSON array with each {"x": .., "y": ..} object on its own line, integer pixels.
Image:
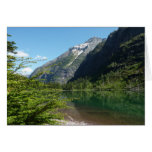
[{"x": 105, "y": 108}]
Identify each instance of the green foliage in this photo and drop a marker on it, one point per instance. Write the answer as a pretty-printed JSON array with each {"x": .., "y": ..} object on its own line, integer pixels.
[
  {"x": 80, "y": 84},
  {"x": 10, "y": 58},
  {"x": 33, "y": 106},
  {"x": 30, "y": 102}
]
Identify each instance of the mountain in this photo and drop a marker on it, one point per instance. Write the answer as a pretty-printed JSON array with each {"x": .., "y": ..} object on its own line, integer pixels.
[
  {"x": 120, "y": 58},
  {"x": 63, "y": 67}
]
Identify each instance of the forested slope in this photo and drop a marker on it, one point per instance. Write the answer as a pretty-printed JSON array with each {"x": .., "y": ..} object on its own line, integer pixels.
[{"x": 118, "y": 63}]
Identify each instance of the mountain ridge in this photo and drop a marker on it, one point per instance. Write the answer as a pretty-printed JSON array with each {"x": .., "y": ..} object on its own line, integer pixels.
[
  {"x": 103, "y": 56},
  {"x": 67, "y": 63},
  {"x": 117, "y": 64}
]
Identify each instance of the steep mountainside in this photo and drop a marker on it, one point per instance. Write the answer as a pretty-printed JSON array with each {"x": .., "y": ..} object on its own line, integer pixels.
[
  {"x": 63, "y": 68},
  {"x": 120, "y": 58}
]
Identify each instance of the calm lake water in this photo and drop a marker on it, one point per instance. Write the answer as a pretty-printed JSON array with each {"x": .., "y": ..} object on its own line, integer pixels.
[{"x": 105, "y": 108}]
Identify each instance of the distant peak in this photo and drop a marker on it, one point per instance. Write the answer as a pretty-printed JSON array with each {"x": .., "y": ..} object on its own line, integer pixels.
[{"x": 93, "y": 39}]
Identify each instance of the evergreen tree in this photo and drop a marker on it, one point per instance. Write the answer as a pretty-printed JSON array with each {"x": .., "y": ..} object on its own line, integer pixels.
[{"x": 29, "y": 102}]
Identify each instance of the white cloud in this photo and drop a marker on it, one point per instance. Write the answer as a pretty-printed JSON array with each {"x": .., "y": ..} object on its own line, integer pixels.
[
  {"x": 38, "y": 57},
  {"x": 21, "y": 54},
  {"x": 26, "y": 71},
  {"x": 12, "y": 54}
]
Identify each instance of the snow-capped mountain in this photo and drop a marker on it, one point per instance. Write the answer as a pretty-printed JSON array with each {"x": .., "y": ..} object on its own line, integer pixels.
[{"x": 63, "y": 67}]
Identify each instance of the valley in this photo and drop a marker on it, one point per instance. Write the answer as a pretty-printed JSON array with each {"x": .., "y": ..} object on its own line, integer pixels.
[{"x": 98, "y": 82}]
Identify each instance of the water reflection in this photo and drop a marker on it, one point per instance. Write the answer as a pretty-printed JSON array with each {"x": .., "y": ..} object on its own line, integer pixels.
[{"x": 106, "y": 107}]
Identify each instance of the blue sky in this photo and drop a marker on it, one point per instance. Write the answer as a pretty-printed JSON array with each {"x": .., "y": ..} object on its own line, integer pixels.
[{"x": 50, "y": 42}]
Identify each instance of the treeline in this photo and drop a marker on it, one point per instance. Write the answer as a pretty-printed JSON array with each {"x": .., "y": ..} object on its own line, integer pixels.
[{"x": 110, "y": 81}]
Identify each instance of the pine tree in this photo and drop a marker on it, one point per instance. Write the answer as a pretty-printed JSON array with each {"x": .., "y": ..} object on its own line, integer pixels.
[{"x": 30, "y": 102}]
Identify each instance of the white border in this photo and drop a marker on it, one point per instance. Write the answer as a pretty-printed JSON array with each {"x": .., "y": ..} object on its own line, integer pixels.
[{"x": 74, "y": 13}]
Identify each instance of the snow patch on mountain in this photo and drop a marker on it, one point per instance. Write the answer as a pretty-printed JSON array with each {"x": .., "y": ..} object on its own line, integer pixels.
[
  {"x": 76, "y": 53},
  {"x": 81, "y": 46},
  {"x": 79, "y": 52}
]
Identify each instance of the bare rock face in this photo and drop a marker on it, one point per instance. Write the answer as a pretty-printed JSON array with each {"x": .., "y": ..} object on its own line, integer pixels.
[{"x": 63, "y": 67}]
